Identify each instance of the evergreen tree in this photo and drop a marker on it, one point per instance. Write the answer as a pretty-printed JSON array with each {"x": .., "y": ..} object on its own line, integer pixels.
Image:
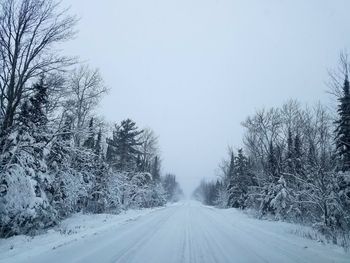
[
  {"x": 33, "y": 116},
  {"x": 290, "y": 152},
  {"x": 32, "y": 119},
  {"x": 156, "y": 169},
  {"x": 231, "y": 168},
  {"x": 272, "y": 165},
  {"x": 240, "y": 181},
  {"x": 110, "y": 153},
  {"x": 24, "y": 117},
  {"x": 90, "y": 141},
  {"x": 230, "y": 180},
  {"x": 281, "y": 202},
  {"x": 298, "y": 161},
  {"x": 343, "y": 128},
  {"x": 39, "y": 104},
  {"x": 60, "y": 150},
  {"x": 122, "y": 148},
  {"x": 98, "y": 144},
  {"x": 311, "y": 155}
]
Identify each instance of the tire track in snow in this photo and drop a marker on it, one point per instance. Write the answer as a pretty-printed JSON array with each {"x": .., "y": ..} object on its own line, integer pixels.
[
  {"x": 127, "y": 254},
  {"x": 224, "y": 247},
  {"x": 189, "y": 233},
  {"x": 256, "y": 239}
]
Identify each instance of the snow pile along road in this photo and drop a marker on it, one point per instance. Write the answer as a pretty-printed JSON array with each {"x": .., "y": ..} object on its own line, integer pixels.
[
  {"x": 70, "y": 230},
  {"x": 186, "y": 232}
]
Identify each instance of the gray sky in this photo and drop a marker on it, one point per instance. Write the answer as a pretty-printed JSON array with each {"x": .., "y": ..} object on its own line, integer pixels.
[{"x": 193, "y": 70}]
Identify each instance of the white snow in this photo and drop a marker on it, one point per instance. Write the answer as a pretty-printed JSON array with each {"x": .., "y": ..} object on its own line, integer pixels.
[
  {"x": 185, "y": 232},
  {"x": 73, "y": 229}
]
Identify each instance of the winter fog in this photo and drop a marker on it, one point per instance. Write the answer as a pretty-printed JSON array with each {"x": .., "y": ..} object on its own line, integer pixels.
[
  {"x": 174, "y": 131},
  {"x": 194, "y": 70}
]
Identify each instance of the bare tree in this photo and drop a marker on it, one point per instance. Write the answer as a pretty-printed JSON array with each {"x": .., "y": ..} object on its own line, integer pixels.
[
  {"x": 263, "y": 129},
  {"x": 85, "y": 88},
  {"x": 29, "y": 32},
  {"x": 338, "y": 75},
  {"x": 149, "y": 148}
]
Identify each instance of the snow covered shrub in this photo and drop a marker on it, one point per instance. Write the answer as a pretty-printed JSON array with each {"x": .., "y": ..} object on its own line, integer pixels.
[
  {"x": 281, "y": 202},
  {"x": 156, "y": 196},
  {"x": 24, "y": 206},
  {"x": 70, "y": 192},
  {"x": 23, "y": 201},
  {"x": 114, "y": 191},
  {"x": 268, "y": 195},
  {"x": 344, "y": 198},
  {"x": 139, "y": 191}
]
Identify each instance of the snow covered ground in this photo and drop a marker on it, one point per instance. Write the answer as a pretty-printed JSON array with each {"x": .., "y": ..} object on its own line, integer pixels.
[{"x": 185, "y": 232}]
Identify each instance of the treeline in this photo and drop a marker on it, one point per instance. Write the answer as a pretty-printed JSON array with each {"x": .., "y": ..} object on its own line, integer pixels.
[
  {"x": 294, "y": 166},
  {"x": 56, "y": 155},
  {"x": 172, "y": 188}
]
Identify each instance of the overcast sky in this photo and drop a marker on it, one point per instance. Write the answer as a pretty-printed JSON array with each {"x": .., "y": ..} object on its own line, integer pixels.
[{"x": 193, "y": 70}]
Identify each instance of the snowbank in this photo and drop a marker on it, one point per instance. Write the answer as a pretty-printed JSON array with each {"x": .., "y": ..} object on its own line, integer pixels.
[{"x": 72, "y": 229}]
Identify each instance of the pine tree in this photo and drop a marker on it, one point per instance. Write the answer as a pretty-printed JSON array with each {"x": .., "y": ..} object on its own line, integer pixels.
[
  {"x": 33, "y": 115},
  {"x": 231, "y": 168},
  {"x": 281, "y": 202},
  {"x": 230, "y": 180},
  {"x": 311, "y": 156},
  {"x": 24, "y": 117},
  {"x": 98, "y": 146},
  {"x": 110, "y": 153},
  {"x": 290, "y": 152},
  {"x": 122, "y": 148},
  {"x": 240, "y": 181},
  {"x": 343, "y": 128},
  {"x": 90, "y": 141},
  {"x": 60, "y": 149},
  {"x": 242, "y": 170},
  {"x": 272, "y": 165},
  {"x": 39, "y": 104},
  {"x": 32, "y": 119},
  {"x": 156, "y": 169},
  {"x": 298, "y": 154}
]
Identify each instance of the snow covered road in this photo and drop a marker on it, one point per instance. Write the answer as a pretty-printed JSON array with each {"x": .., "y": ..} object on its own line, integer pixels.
[{"x": 191, "y": 232}]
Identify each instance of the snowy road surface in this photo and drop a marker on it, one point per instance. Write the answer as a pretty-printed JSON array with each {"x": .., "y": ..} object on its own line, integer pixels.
[{"x": 190, "y": 232}]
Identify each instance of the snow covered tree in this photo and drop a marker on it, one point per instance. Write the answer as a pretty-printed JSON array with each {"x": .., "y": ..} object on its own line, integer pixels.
[
  {"x": 149, "y": 150},
  {"x": 98, "y": 144},
  {"x": 30, "y": 32},
  {"x": 272, "y": 163},
  {"x": 298, "y": 155},
  {"x": 24, "y": 203},
  {"x": 50, "y": 163},
  {"x": 85, "y": 88},
  {"x": 155, "y": 169},
  {"x": 123, "y": 147},
  {"x": 343, "y": 127},
  {"x": 90, "y": 141},
  {"x": 281, "y": 202},
  {"x": 230, "y": 175},
  {"x": 290, "y": 152},
  {"x": 61, "y": 144},
  {"x": 240, "y": 180},
  {"x": 172, "y": 188}
]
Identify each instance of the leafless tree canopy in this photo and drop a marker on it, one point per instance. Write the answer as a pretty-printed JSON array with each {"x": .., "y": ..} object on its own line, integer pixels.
[
  {"x": 84, "y": 90},
  {"x": 29, "y": 32},
  {"x": 337, "y": 76}
]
